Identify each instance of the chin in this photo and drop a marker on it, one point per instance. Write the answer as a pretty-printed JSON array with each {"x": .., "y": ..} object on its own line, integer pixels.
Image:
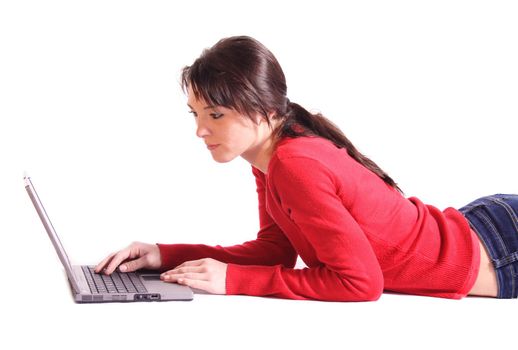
[{"x": 223, "y": 159}]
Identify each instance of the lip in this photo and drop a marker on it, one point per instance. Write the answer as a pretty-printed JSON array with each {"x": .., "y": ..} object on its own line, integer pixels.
[{"x": 212, "y": 147}]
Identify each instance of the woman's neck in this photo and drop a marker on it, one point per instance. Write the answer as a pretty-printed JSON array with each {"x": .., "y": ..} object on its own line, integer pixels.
[{"x": 260, "y": 155}]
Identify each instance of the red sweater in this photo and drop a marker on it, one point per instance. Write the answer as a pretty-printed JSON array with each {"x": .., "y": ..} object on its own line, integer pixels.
[{"x": 357, "y": 235}]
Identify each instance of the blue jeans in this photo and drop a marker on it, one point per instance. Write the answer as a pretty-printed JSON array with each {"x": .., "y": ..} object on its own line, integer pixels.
[{"x": 495, "y": 221}]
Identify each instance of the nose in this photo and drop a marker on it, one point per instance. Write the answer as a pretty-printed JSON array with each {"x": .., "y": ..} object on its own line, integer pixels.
[{"x": 201, "y": 129}]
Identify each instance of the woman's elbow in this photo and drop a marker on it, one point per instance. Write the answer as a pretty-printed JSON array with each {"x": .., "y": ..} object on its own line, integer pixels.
[
  {"x": 374, "y": 287},
  {"x": 368, "y": 288},
  {"x": 373, "y": 293}
]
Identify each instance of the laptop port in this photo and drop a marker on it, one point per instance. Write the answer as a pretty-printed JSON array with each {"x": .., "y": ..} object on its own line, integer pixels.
[
  {"x": 147, "y": 297},
  {"x": 140, "y": 297}
]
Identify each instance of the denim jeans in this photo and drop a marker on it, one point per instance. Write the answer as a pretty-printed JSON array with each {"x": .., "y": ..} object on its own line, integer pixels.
[{"x": 495, "y": 221}]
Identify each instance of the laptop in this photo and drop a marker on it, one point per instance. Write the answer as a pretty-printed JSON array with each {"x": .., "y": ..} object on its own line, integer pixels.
[{"x": 90, "y": 287}]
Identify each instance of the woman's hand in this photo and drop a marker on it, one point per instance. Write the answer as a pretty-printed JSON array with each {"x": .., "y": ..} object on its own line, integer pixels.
[
  {"x": 206, "y": 274},
  {"x": 136, "y": 256}
]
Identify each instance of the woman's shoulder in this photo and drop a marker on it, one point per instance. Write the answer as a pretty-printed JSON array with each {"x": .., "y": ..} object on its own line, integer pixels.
[
  {"x": 304, "y": 146},
  {"x": 308, "y": 151}
]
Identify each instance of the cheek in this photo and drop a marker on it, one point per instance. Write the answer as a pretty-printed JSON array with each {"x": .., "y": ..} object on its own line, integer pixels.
[
  {"x": 235, "y": 144},
  {"x": 247, "y": 132},
  {"x": 239, "y": 136}
]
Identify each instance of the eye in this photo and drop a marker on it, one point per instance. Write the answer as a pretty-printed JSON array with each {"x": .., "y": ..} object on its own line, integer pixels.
[
  {"x": 193, "y": 114},
  {"x": 216, "y": 115}
]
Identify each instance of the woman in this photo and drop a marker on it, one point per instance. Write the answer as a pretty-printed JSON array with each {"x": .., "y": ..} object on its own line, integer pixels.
[{"x": 322, "y": 200}]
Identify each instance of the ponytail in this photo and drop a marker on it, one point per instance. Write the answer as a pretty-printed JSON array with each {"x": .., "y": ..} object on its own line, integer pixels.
[{"x": 299, "y": 122}]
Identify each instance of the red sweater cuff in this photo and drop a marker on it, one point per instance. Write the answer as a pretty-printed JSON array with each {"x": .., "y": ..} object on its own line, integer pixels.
[
  {"x": 173, "y": 255},
  {"x": 250, "y": 279}
]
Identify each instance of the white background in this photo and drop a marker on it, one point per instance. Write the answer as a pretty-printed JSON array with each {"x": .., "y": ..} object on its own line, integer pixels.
[{"x": 91, "y": 107}]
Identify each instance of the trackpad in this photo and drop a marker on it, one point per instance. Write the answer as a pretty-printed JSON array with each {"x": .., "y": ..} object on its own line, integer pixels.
[{"x": 150, "y": 277}]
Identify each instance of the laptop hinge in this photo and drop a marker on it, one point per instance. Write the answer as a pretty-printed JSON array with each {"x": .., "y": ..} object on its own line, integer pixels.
[{"x": 80, "y": 280}]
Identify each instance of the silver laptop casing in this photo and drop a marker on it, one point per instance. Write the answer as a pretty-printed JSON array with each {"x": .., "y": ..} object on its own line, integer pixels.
[{"x": 156, "y": 289}]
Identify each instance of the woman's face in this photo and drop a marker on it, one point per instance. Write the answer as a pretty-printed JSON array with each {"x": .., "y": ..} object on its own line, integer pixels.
[{"x": 227, "y": 133}]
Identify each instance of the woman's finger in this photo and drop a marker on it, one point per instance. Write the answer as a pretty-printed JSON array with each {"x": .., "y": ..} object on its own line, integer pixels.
[
  {"x": 133, "y": 265},
  {"x": 104, "y": 262},
  {"x": 175, "y": 277},
  {"x": 205, "y": 274},
  {"x": 192, "y": 263},
  {"x": 117, "y": 259},
  {"x": 184, "y": 270},
  {"x": 190, "y": 266}
]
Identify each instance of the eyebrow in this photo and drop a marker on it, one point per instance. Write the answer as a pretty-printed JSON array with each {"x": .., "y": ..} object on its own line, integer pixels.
[{"x": 206, "y": 107}]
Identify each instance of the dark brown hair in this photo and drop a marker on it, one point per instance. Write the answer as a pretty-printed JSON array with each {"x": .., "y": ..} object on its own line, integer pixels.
[{"x": 242, "y": 74}]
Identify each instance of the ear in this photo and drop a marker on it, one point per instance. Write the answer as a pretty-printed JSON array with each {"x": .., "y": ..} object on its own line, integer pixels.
[{"x": 262, "y": 119}]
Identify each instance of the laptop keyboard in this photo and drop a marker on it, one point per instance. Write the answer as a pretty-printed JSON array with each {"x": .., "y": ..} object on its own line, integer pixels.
[{"x": 114, "y": 283}]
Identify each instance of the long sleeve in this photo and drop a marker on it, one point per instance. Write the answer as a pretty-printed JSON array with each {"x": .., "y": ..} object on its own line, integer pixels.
[
  {"x": 309, "y": 205},
  {"x": 271, "y": 247}
]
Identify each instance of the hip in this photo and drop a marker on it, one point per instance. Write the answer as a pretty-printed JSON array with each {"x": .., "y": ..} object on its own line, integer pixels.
[{"x": 494, "y": 219}]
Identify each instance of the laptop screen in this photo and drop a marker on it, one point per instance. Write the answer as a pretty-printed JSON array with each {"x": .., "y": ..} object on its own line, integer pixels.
[{"x": 50, "y": 231}]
